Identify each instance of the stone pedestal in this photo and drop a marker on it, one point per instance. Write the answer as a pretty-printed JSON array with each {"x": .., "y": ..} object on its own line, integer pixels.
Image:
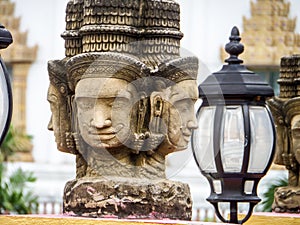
[{"x": 128, "y": 198}]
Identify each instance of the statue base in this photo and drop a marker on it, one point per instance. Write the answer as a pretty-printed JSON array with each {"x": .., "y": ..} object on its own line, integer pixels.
[{"x": 127, "y": 198}]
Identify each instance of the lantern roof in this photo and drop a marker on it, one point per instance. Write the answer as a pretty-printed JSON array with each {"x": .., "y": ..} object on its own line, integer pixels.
[{"x": 234, "y": 81}]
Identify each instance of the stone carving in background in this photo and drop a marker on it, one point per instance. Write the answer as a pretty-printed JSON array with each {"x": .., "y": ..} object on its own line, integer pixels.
[
  {"x": 18, "y": 58},
  {"x": 121, "y": 100},
  {"x": 286, "y": 113},
  {"x": 268, "y": 34}
]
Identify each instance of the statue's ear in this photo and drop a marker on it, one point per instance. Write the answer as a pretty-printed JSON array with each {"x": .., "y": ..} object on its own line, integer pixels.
[
  {"x": 156, "y": 110},
  {"x": 71, "y": 101},
  {"x": 70, "y": 104},
  {"x": 72, "y": 112},
  {"x": 74, "y": 120},
  {"x": 71, "y": 145}
]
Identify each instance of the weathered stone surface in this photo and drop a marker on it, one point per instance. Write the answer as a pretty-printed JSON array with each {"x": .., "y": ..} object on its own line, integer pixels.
[
  {"x": 287, "y": 199},
  {"x": 128, "y": 198},
  {"x": 121, "y": 101}
]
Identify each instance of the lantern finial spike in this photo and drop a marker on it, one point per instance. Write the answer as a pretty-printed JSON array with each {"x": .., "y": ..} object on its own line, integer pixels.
[{"x": 234, "y": 47}]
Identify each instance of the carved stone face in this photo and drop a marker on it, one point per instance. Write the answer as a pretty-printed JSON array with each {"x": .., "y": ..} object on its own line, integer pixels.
[
  {"x": 103, "y": 111},
  {"x": 59, "y": 121},
  {"x": 295, "y": 133},
  {"x": 182, "y": 120}
]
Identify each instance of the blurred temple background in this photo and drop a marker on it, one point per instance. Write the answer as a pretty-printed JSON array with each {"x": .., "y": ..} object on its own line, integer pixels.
[{"x": 270, "y": 29}]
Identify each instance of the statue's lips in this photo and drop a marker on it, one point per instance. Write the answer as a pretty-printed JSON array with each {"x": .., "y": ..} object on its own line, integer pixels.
[
  {"x": 187, "y": 135},
  {"x": 187, "y": 138},
  {"x": 104, "y": 135}
]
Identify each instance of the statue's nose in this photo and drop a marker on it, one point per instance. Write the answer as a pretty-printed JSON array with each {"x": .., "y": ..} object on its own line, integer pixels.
[
  {"x": 50, "y": 125},
  {"x": 101, "y": 120}
]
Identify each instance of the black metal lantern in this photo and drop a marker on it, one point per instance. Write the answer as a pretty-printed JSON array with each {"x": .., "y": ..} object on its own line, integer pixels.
[
  {"x": 234, "y": 144},
  {"x": 5, "y": 87}
]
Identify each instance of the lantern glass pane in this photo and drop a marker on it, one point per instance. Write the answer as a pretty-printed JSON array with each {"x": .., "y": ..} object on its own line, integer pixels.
[
  {"x": 203, "y": 140},
  {"x": 217, "y": 184},
  {"x": 232, "y": 139},
  {"x": 248, "y": 188},
  {"x": 3, "y": 100},
  {"x": 261, "y": 139}
]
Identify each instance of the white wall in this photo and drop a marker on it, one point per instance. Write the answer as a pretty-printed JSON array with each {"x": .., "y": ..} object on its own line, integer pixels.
[
  {"x": 207, "y": 27},
  {"x": 45, "y": 22}
]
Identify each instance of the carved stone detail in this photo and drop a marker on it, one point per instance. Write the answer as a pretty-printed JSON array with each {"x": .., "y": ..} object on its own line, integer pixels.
[
  {"x": 268, "y": 34},
  {"x": 289, "y": 80},
  {"x": 133, "y": 199},
  {"x": 127, "y": 98},
  {"x": 286, "y": 199}
]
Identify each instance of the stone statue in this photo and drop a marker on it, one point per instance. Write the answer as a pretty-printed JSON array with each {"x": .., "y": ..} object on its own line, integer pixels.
[
  {"x": 286, "y": 113},
  {"x": 292, "y": 159},
  {"x": 121, "y": 101},
  {"x": 59, "y": 97}
]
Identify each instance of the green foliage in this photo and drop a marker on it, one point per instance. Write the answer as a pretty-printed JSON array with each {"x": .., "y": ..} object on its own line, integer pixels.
[
  {"x": 8, "y": 145},
  {"x": 15, "y": 196},
  {"x": 268, "y": 196},
  {"x": 15, "y": 141}
]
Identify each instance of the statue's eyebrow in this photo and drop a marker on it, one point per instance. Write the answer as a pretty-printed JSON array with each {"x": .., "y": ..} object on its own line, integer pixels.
[
  {"x": 176, "y": 96},
  {"x": 125, "y": 94}
]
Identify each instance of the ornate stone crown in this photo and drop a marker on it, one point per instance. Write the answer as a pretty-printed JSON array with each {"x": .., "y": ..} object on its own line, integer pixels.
[
  {"x": 291, "y": 109},
  {"x": 179, "y": 69},
  {"x": 289, "y": 80},
  {"x": 74, "y": 20},
  {"x": 57, "y": 75},
  {"x": 105, "y": 65},
  {"x": 138, "y": 27}
]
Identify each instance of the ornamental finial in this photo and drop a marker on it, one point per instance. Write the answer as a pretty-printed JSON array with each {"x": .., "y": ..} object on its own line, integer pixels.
[{"x": 234, "y": 47}]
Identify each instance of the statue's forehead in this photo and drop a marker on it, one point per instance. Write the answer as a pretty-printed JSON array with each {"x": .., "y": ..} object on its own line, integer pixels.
[
  {"x": 101, "y": 87},
  {"x": 295, "y": 122},
  {"x": 184, "y": 89},
  {"x": 52, "y": 91}
]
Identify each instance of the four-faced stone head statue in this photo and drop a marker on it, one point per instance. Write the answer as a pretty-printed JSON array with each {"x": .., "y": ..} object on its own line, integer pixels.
[{"x": 113, "y": 104}]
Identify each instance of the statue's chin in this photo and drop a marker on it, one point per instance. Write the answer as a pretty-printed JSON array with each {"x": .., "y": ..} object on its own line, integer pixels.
[
  {"x": 101, "y": 142},
  {"x": 180, "y": 147},
  {"x": 179, "y": 142}
]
